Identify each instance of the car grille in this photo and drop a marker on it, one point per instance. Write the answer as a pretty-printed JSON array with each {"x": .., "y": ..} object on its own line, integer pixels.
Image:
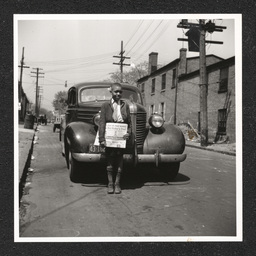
[
  {"x": 86, "y": 115},
  {"x": 140, "y": 130}
]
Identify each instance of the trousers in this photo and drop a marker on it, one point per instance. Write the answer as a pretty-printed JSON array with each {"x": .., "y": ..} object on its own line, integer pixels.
[{"x": 114, "y": 157}]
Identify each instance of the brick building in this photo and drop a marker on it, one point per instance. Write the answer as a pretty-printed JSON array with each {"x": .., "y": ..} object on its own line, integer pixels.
[{"x": 173, "y": 90}]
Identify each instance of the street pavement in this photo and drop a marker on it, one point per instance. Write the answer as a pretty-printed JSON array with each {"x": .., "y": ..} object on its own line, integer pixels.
[
  {"x": 201, "y": 201},
  {"x": 28, "y": 136}
]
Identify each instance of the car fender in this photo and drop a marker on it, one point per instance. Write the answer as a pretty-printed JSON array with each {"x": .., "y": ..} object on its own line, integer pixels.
[
  {"x": 169, "y": 139},
  {"x": 78, "y": 136}
]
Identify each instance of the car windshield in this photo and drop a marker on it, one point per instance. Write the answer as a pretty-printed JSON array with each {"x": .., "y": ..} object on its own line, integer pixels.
[{"x": 102, "y": 94}]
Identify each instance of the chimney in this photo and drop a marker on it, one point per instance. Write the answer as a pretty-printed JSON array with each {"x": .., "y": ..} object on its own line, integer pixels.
[
  {"x": 152, "y": 63},
  {"x": 183, "y": 62}
]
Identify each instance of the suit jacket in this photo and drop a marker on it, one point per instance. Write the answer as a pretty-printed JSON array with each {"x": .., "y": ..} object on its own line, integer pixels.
[{"x": 106, "y": 117}]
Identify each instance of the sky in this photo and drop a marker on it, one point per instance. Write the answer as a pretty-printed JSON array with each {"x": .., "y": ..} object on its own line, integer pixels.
[{"x": 80, "y": 48}]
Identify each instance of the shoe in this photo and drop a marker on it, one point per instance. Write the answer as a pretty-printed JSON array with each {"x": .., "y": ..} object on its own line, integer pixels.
[
  {"x": 110, "y": 188},
  {"x": 117, "y": 189}
]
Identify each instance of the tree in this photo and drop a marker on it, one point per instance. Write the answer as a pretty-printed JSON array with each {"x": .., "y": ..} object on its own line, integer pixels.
[
  {"x": 131, "y": 76},
  {"x": 60, "y": 101},
  {"x": 43, "y": 111}
]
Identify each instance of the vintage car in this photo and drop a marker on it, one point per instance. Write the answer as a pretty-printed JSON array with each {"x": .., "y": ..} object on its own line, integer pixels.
[
  {"x": 153, "y": 142},
  {"x": 42, "y": 119}
]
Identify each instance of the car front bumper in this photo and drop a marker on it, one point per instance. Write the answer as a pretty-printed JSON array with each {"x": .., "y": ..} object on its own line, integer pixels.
[{"x": 130, "y": 159}]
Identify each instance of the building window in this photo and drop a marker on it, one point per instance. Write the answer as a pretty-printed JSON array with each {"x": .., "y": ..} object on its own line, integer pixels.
[
  {"x": 152, "y": 109},
  {"x": 153, "y": 86},
  {"x": 163, "y": 82},
  {"x": 162, "y": 109},
  {"x": 222, "y": 121},
  {"x": 223, "y": 80},
  {"x": 174, "y": 78},
  {"x": 142, "y": 88}
]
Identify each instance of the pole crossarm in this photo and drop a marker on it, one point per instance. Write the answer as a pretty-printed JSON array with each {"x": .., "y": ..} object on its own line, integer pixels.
[
  {"x": 122, "y": 58},
  {"x": 189, "y": 25},
  {"x": 206, "y": 41},
  {"x": 22, "y": 66}
]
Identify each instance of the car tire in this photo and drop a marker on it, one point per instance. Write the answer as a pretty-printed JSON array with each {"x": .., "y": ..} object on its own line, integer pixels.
[
  {"x": 74, "y": 169},
  {"x": 169, "y": 170},
  {"x": 54, "y": 128}
]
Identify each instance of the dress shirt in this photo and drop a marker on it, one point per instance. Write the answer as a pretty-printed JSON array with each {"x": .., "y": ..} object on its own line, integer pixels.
[{"x": 117, "y": 116}]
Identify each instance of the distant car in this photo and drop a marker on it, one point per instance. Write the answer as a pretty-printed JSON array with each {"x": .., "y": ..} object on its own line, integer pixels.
[
  {"x": 56, "y": 123},
  {"x": 154, "y": 143},
  {"x": 42, "y": 119}
]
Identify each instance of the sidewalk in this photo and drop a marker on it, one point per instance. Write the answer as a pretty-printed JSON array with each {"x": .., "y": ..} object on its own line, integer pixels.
[
  {"x": 224, "y": 148},
  {"x": 26, "y": 137}
]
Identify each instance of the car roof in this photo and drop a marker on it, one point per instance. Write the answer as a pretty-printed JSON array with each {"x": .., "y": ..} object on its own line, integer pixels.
[{"x": 104, "y": 84}]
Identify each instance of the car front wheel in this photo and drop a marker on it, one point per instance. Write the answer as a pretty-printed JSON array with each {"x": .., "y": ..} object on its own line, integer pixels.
[{"x": 169, "y": 170}]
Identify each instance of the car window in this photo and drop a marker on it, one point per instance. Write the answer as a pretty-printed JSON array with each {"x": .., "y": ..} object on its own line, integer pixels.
[
  {"x": 72, "y": 97},
  {"x": 131, "y": 95},
  {"x": 102, "y": 94},
  {"x": 95, "y": 94}
]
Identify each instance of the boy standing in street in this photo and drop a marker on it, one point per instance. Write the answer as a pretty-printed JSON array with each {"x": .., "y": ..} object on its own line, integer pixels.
[{"x": 114, "y": 111}]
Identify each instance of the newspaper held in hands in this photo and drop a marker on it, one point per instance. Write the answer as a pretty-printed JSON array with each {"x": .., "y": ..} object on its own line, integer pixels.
[{"x": 114, "y": 134}]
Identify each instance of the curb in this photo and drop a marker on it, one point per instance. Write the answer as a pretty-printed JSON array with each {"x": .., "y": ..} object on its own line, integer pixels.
[
  {"x": 210, "y": 149},
  {"x": 23, "y": 177}
]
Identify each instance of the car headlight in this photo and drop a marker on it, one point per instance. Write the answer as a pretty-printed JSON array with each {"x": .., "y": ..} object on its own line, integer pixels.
[
  {"x": 156, "y": 121},
  {"x": 96, "y": 119}
]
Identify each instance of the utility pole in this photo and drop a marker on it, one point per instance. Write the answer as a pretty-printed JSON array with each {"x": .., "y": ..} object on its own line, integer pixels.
[
  {"x": 175, "y": 101},
  {"x": 203, "y": 87},
  {"x": 39, "y": 103},
  {"x": 37, "y": 89},
  {"x": 196, "y": 41},
  {"x": 22, "y": 65},
  {"x": 40, "y": 97},
  {"x": 122, "y": 58}
]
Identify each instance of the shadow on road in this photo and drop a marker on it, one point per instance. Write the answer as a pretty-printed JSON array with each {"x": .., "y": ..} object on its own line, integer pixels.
[{"x": 133, "y": 178}]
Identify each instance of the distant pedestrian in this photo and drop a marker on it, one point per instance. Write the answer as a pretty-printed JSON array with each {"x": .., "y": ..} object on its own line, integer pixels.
[{"x": 114, "y": 111}]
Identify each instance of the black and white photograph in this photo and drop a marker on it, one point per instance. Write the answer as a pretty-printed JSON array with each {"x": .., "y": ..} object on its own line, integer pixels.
[{"x": 127, "y": 128}]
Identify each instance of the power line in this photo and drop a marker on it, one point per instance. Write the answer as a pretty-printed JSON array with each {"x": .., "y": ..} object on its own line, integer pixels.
[
  {"x": 154, "y": 41},
  {"x": 136, "y": 30},
  {"x": 140, "y": 37},
  {"x": 147, "y": 39},
  {"x": 64, "y": 61}
]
